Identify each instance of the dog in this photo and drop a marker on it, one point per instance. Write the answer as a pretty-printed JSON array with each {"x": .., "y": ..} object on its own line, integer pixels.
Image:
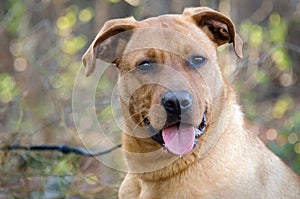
[{"x": 185, "y": 135}]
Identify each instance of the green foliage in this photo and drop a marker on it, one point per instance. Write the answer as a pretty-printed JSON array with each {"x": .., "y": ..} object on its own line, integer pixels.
[
  {"x": 114, "y": 1},
  {"x": 45, "y": 40},
  {"x": 35, "y": 103},
  {"x": 270, "y": 67},
  {"x": 86, "y": 14},
  {"x": 15, "y": 18},
  {"x": 8, "y": 88}
]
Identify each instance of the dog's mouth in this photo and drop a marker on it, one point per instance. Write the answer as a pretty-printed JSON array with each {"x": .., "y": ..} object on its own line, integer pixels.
[{"x": 178, "y": 138}]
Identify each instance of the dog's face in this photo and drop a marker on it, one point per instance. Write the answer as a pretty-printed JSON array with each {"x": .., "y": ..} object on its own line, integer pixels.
[{"x": 169, "y": 74}]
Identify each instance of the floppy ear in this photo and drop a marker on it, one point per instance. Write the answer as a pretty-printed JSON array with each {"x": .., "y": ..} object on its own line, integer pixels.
[
  {"x": 108, "y": 44},
  {"x": 217, "y": 26}
]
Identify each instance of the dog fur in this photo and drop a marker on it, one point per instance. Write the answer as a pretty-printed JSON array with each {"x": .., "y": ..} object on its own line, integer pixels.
[{"x": 229, "y": 161}]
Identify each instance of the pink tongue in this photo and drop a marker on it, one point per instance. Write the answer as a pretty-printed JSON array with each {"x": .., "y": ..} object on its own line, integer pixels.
[{"x": 179, "y": 140}]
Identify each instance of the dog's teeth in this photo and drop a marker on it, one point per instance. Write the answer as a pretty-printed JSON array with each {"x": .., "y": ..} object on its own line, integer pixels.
[
  {"x": 198, "y": 133},
  {"x": 180, "y": 156},
  {"x": 195, "y": 144},
  {"x": 164, "y": 147}
]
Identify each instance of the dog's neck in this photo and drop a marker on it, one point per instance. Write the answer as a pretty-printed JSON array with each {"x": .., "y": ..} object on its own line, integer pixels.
[{"x": 221, "y": 120}]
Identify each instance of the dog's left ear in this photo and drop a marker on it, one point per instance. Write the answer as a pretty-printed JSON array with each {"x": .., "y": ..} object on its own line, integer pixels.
[
  {"x": 217, "y": 26},
  {"x": 109, "y": 42}
]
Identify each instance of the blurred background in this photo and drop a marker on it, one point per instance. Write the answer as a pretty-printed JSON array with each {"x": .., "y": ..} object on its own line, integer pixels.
[{"x": 41, "y": 44}]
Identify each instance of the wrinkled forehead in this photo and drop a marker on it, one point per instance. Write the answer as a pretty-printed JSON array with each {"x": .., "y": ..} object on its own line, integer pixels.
[{"x": 170, "y": 33}]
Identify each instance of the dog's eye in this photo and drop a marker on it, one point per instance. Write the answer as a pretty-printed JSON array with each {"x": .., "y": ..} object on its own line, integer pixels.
[
  {"x": 196, "y": 61},
  {"x": 144, "y": 67}
]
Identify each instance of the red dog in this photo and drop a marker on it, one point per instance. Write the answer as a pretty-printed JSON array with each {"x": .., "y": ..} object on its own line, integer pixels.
[{"x": 185, "y": 134}]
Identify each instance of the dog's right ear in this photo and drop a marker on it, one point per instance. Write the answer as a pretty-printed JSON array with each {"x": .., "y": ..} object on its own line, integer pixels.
[
  {"x": 109, "y": 43},
  {"x": 218, "y": 27}
]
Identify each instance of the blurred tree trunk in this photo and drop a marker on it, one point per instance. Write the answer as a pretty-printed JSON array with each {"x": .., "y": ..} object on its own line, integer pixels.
[{"x": 6, "y": 63}]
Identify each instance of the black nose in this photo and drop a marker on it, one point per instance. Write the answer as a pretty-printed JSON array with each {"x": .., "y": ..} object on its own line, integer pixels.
[{"x": 177, "y": 102}]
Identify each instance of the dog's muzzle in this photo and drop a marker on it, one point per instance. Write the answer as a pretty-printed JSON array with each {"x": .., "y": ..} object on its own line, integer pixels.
[{"x": 177, "y": 137}]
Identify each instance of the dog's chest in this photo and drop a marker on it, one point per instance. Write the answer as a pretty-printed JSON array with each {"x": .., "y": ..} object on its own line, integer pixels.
[{"x": 168, "y": 189}]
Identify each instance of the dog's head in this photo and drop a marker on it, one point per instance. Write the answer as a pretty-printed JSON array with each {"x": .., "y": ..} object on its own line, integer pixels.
[{"x": 170, "y": 82}]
